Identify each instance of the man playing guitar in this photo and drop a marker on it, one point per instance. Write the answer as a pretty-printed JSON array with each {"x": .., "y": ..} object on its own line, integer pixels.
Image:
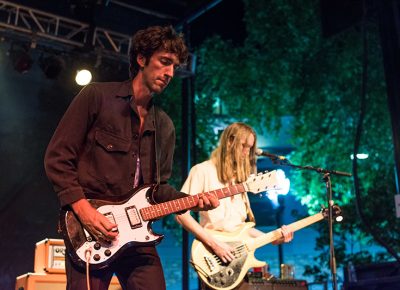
[{"x": 113, "y": 139}]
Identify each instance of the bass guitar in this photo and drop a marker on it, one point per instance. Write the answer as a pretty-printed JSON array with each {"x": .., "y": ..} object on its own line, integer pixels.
[
  {"x": 224, "y": 276},
  {"x": 135, "y": 214}
]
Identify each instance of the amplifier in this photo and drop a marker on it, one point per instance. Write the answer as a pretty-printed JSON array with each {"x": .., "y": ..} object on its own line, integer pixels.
[
  {"x": 43, "y": 281},
  {"x": 278, "y": 284},
  {"x": 50, "y": 256}
]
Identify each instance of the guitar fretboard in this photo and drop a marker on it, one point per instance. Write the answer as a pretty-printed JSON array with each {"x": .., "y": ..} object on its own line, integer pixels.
[
  {"x": 184, "y": 203},
  {"x": 276, "y": 234}
]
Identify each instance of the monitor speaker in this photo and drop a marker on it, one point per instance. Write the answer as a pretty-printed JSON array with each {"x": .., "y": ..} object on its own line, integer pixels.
[
  {"x": 279, "y": 285},
  {"x": 44, "y": 281}
]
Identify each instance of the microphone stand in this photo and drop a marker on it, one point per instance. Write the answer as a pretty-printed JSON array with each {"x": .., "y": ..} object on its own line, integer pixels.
[{"x": 280, "y": 160}]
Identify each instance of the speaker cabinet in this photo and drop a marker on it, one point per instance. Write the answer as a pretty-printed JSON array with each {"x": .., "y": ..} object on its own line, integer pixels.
[
  {"x": 43, "y": 281},
  {"x": 50, "y": 256},
  {"x": 377, "y": 276}
]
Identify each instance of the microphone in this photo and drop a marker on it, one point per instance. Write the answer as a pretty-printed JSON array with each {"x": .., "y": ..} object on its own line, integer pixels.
[{"x": 260, "y": 152}]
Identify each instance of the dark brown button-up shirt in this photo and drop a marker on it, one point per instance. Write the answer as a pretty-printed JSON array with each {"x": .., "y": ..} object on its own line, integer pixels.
[{"x": 93, "y": 152}]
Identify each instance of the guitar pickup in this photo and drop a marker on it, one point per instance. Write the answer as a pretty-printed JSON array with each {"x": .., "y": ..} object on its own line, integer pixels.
[
  {"x": 133, "y": 217},
  {"x": 111, "y": 218}
]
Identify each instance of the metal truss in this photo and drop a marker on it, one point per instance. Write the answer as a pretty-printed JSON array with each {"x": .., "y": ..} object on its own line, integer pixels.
[{"x": 61, "y": 32}]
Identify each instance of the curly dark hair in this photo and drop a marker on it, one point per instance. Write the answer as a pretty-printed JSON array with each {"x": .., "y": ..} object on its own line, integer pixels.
[{"x": 149, "y": 40}]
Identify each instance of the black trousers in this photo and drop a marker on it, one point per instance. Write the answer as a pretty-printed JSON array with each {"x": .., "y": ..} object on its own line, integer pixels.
[{"x": 138, "y": 268}]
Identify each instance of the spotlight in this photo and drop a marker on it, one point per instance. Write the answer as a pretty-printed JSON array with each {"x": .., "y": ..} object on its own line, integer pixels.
[
  {"x": 339, "y": 218},
  {"x": 359, "y": 156},
  {"x": 20, "y": 58},
  {"x": 83, "y": 77},
  {"x": 276, "y": 195},
  {"x": 51, "y": 66}
]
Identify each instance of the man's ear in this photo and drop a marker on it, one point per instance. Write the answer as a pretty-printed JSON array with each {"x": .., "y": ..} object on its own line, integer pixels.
[{"x": 141, "y": 60}]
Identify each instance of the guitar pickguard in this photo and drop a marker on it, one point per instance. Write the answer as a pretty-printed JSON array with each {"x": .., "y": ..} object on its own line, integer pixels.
[
  {"x": 228, "y": 274},
  {"x": 220, "y": 274}
]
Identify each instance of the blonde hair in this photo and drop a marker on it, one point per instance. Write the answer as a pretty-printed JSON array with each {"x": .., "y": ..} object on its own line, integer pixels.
[{"x": 228, "y": 156}]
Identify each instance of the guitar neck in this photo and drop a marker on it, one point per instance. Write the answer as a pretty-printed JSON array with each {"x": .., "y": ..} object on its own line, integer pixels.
[
  {"x": 165, "y": 208},
  {"x": 276, "y": 234}
]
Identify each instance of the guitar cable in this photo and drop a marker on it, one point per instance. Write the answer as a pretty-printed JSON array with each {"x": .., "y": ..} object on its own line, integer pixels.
[{"x": 88, "y": 254}]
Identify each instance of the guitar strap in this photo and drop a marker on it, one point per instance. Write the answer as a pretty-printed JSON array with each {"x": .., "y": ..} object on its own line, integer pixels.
[
  {"x": 156, "y": 149},
  {"x": 250, "y": 214}
]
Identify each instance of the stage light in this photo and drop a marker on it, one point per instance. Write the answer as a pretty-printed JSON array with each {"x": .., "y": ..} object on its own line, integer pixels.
[
  {"x": 20, "y": 58},
  {"x": 359, "y": 156},
  {"x": 83, "y": 77},
  {"x": 284, "y": 185},
  {"x": 339, "y": 218},
  {"x": 51, "y": 66},
  {"x": 282, "y": 190}
]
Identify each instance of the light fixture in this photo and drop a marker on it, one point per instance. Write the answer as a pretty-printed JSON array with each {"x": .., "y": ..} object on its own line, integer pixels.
[
  {"x": 20, "y": 58},
  {"x": 359, "y": 156},
  {"x": 83, "y": 77},
  {"x": 339, "y": 218},
  {"x": 283, "y": 189},
  {"x": 51, "y": 65}
]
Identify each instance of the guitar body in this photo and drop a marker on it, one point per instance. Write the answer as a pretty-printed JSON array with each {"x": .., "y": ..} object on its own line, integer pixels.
[
  {"x": 133, "y": 230},
  {"x": 225, "y": 276},
  {"x": 219, "y": 275}
]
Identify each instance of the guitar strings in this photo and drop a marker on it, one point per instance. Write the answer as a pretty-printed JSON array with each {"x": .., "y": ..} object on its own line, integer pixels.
[
  {"x": 239, "y": 250},
  {"x": 125, "y": 215}
]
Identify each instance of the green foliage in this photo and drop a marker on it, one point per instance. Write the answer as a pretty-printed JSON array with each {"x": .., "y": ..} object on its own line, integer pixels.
[
  {"x": 286, "y": 68},
  {"x": 170, "y": 101}
]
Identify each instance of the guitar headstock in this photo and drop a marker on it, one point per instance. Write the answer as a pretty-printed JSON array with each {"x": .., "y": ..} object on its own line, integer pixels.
[
  {"x": 336, "y": 212},
  {"x": 268, "y": 181}
]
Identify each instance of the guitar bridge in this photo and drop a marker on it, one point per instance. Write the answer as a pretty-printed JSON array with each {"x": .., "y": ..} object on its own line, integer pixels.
[
  {"x": 210, "y": 263},
  {"x": 88, "y": 236},
  {"x": 111, "y": 218}
]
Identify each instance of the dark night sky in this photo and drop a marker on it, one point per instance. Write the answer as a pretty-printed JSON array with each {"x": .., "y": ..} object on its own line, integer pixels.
[{"x": 223, "y": 18}]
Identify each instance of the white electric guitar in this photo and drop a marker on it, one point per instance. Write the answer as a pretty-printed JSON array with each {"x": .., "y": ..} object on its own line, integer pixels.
[
  {"x": 134, "y": 215},
  {"x": 224, "y": 276}
]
